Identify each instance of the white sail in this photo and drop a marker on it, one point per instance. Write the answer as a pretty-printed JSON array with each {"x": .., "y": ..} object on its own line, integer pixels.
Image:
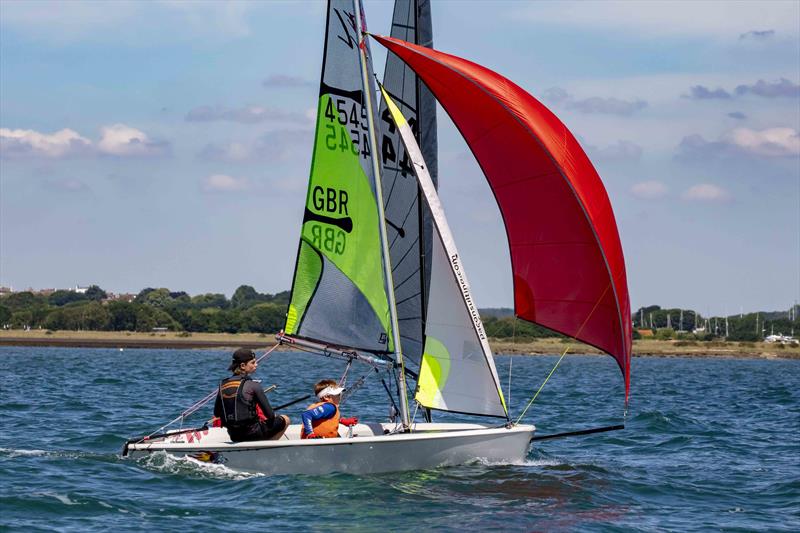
[{"x": 457, "y": 372}]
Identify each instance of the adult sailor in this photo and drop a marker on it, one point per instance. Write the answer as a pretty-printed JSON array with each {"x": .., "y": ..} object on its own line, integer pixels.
[{"x": 239, "y": 399}]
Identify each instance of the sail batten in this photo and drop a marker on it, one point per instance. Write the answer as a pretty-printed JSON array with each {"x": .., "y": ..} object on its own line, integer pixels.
[{"x": 548, "y": 192}]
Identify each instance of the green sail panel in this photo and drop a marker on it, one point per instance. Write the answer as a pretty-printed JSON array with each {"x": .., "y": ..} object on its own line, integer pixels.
[{"x": 339, "y": 289}]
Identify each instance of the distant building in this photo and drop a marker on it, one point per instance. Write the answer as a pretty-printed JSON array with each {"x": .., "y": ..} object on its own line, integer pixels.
[
  {"x": 5, "y": 291},
  {"x": 79, "y": 289},
  {"x": 121, "y": 297},
  {"x": 645, "y": 332},
  {"x": 45, "y": 292}
]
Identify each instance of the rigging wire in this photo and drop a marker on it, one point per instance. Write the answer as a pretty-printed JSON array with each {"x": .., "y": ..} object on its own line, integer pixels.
[
  {"x": 580, "y": 329},
  {"x": 194, "y": 407},
  {"x": 542, "y": 386},
  {"x": 510, "y": 364},
  {"x": 343, "y": 379}
]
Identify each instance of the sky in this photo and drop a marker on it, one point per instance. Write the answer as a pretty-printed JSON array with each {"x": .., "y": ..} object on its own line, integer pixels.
[{"x": 168, "y": 144}]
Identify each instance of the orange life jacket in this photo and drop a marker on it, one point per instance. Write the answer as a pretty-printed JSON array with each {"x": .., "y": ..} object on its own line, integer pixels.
[{"x": 328, "y": 427}]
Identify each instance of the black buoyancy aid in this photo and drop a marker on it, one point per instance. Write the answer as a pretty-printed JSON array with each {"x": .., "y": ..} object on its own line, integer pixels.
[{"x": 236, "y": 412}]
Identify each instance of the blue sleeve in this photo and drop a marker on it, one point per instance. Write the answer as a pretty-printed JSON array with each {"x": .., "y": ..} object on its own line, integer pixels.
[{"x": 321, "y": 412}]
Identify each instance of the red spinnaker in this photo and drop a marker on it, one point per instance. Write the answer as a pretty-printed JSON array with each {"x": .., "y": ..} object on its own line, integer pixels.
[{"x": 566, "y": 256}]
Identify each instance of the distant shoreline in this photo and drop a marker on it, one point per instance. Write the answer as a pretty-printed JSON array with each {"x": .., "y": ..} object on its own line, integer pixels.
[{"x": 179, "y": 340}]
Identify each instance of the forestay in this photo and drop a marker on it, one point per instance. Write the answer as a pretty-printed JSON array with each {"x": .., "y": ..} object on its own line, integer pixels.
[
  {"x": 457, "y": 372},
  {"x": 339, "y": 288}
]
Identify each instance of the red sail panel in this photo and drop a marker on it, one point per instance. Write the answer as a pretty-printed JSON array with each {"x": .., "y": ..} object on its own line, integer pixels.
[{"x": 566, "y": 256}]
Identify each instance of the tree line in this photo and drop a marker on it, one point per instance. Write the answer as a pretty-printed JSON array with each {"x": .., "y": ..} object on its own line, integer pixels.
[
  {"x": 249, "y": 311},
  {"x": 687, "y": 324}
]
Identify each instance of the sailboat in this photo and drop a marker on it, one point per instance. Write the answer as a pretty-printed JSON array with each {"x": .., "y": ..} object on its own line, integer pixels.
[{"x": 378, "y": 279}]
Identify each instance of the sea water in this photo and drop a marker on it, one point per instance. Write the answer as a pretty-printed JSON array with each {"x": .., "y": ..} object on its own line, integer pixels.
[{"x": 709, "y": 444}]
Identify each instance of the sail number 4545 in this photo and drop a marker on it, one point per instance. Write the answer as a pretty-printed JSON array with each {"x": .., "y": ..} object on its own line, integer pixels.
[{"x": 353, "y": 136}]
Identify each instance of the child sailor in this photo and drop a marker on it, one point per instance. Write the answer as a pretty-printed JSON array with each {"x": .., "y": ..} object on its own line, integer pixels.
[{"x": 322, "y": 419}]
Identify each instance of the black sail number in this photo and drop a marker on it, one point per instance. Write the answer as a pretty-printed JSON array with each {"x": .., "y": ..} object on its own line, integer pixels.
[{"x": 351, "y": 119}]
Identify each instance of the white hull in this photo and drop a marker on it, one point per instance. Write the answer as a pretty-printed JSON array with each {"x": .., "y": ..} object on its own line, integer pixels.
[{"x": 368, "y": 451}]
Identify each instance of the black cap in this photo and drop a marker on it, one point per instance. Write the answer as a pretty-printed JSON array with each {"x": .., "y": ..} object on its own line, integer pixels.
[{"x": 242, "y": 355}]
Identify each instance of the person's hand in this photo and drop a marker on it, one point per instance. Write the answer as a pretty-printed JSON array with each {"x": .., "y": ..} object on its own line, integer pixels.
[
  {"x": 350, "y": 421},
  {"x": 313, "y": 436}
]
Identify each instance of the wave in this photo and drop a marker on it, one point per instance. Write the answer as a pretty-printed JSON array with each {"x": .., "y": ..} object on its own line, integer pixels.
[
  {"x": 163, "y": 462},
  {"x": 670, "y": 421},
  {"x": 11, "y": 453},
  {"x": 14, "y": 452},
  {"x": 518, "y": 462},
  {"x": 63, "y": 498}
]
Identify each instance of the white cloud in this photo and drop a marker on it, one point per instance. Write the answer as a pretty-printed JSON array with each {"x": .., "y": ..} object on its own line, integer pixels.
[
  {"x": 67, "y": 185},
  {"x": 594, "y": 104},
  {"x": 649, "y": 190},
  {"x": 768, "y": 143},
  {"x": 621, "y": 151},
  {"x": 224, "y": 183},
  {"x": 757, "y": 35},
  {"x": 782, "y": 88},
  {"x": 122, "y": 140},
  {"x": 57, "y": 21},
  {"x": 233, "y": 151},
  {"x": 706, "y": 192},
  {"x": 660, "y": 17},
  {"x": 62, "y": 143},
  {"x": 283, "y": 81},
  {"x": 772, "y": 142},
  {"x": 246, "y": 115},
  {"x": 278, "y": 145},
  {"x": 60, "y": 21},
  {"x": 116, "y": 140}
]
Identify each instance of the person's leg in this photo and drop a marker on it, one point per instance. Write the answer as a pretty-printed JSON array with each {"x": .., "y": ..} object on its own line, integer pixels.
[{"x": 278, "y": 428}]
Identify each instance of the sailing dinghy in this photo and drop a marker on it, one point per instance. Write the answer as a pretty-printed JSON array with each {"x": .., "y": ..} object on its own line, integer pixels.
[{"x": 378, "y": 279}]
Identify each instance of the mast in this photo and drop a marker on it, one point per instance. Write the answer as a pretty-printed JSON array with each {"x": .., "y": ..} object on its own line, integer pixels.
[
  {"x": 387, "y": 268},
  {"x": 420, "y": 208}
]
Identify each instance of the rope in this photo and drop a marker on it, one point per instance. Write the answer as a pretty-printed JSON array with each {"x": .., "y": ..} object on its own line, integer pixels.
[
  {"x": 542, "y": 386},
  {"x": 580, "y": 329},
  {"x": 193, "y": 408},
  {"x": 510, "y": 365}
]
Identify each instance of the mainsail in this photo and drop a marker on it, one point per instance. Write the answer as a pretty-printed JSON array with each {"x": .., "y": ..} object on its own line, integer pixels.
[
  {"x": 407, "y": 217},
  {"x": 457, "y": 371},
  {"x": 566, "y": 256},
  {"x": 339, "y": 291}
]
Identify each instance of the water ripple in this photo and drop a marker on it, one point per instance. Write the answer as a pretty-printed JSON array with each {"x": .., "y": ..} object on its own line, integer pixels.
[{"x": 710, "y": 444}]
